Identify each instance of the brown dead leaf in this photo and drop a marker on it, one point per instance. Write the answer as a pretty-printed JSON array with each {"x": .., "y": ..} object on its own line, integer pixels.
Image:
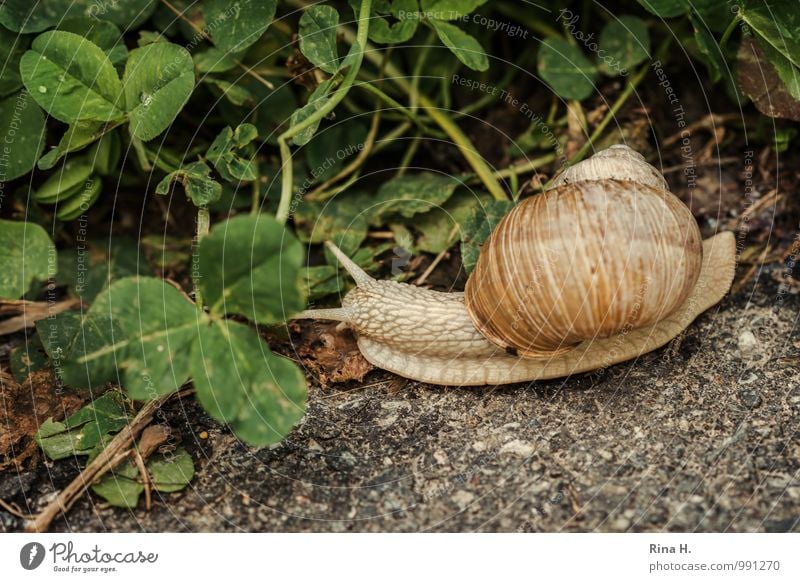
[
  {"x": 27, "y": 313},
  {"x": 23, "y": 407},
  {"x": 760, "y": 81},
  {"x": 331, "y": 355}
]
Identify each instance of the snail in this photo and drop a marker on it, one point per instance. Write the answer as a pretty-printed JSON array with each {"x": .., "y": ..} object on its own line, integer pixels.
[{"x": 605, "y": 266}]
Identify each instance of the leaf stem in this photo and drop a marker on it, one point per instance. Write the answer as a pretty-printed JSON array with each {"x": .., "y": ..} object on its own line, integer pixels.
[
  {"x": 203, "y": 226},
  {"x": 729, "y": 30},
  {"x": 612, "y": 113},
  {"x": 286, "y": 155},
  {"x": 465, "y": 146},
  {"x": 141, "y": 154}
]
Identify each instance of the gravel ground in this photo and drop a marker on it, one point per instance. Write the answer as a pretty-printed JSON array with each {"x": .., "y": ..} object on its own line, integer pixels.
[{"x": 703, "y": 435}]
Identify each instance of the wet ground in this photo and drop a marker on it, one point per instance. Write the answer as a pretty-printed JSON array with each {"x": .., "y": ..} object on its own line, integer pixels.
[{"x": 703, "y": 435}]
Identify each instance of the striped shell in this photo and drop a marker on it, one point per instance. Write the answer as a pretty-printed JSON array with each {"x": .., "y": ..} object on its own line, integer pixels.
[
  {"x": 618, "y": 162},
  {"x": 588, "y": 259}
]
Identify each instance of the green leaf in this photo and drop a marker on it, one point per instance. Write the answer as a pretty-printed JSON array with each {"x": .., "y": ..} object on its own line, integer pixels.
[
  {"x": 28, "y": 255},
  {"x": 143, "y": 326},
  {"x": 787, "y": 72},
  {"x": 213, "y": 60},
  {"x": 666, "y": 8},
  {"x": 321, "y": 281},
  {"x": 35, "y": 16},
  {"x": 478, "y": 227},
  {"x": 86, "y": 271},
  {"x": 196, "y": 181},
  {"x": 83, "y": 431},
  {"x": 234, "y": 26},
  {"x": 75, "y": 138},
  {"x": 251, "y": 266},
  {"x": 710, "y": 49},
  {"x": 318, "y": 36},
  {"x": 102, "y": 33},
  {"x": 342, "y": 221},
  {"x": 450, "y": 9},
  {"x": 240, "y": 382},
  {"x": 72, "y": 78},
  {"x": 334, "y": 147},
  {"x": 158, "y": 81},
  {"x": 316, "y": 101},
  {"x": 442, "y": 227},
  {"x": 466, "y": 48},
  {"x": 411, "y": 194},
  {"x": 27, "y": 358},
  {"x": 226, "y": 153},
  {"x": 565, "y": 69},
  {"x": 22, "y": 129},
  {"x": 624, "y": 43},
  {"x": 12, "y": 47},
  {"x": 233, "y": 92},
  {"x": 407, "y": 20},
  {"x": 778, "y": 23},
  {"x": 167, "y": 473}
]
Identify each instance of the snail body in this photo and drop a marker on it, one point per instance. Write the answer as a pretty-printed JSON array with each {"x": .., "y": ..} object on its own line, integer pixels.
[{"x": 588, "y": 274}]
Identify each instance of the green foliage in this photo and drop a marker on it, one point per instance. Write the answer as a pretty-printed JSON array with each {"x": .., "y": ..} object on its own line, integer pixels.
[
  {"x": 158, "y": 81},
  {"x": 22, "y": 130},
  {"x": 28, "y": 255},
  {"x": 477, "y": 229},
  {"x": 251, "y": 267},
  {"x": 235, "y": 26},
  {"x": 72, "y": 79},
  {"x": 226, "y": 152},
  {"x": 240, "y": 382},
  {"x": 84, "y": 431},
  {"x": 565, "y": 69},
  {"x": 318, "y": 37},
  {"x": 414, "y": 193},
  {"x": 167, "y": 473},
  {"x": 196, "y": 179},
  {"x": 405, "y": 14},
  {"x": 626, "y": 42},
  {"x": 466, "y": 48}
]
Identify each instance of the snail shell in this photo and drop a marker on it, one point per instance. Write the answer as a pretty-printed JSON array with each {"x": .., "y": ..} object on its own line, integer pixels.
[
  {"x": 585, "y": 260},
  {"x": 618, "y": 162}
]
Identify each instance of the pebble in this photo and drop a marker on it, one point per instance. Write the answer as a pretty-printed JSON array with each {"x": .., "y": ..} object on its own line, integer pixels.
[
  {"x": 747, "y": 342},
  {"x": 463, "y": 498},
  {"x": 518, "y": 447},
  {"x": 750, "y": 398}
]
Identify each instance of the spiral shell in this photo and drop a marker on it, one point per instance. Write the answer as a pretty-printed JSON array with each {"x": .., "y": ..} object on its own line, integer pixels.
[
  {"x": 618, "y": 162},
  {"x": 588, "y": 259}
]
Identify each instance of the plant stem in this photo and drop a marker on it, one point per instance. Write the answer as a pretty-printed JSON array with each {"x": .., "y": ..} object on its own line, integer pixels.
[
  {"x": 729, "y": 30},
  {"x": 441, "y": 118},
  {"x": 247, "y": 70},
  {"x": 466, "y": 148},
  {"x": 141, "y": 154},
  {"x": 203, "y": 225},
  {"x": 115, "y": 452},
  {"x": 612, "y": 113},
  {"x": 286, "y": 155}
]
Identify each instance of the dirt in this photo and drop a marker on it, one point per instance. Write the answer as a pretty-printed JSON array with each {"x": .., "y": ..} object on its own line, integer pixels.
[{"x": 703, "y": 435}]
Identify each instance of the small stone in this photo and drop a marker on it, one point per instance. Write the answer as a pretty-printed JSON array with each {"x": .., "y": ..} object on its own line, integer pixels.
[
  {"x": 620, "y": 524},
  {"x": 518, "y": 447},
  {"x": 747, "y": 342},
  {"x": 440, "y": 457},
  {"x": 463, "y": 498},
  {"x": 750, "y": 398}
]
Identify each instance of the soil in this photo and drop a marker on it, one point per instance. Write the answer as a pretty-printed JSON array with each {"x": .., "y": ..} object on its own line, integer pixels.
[{"x": 702, "y": 435}]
